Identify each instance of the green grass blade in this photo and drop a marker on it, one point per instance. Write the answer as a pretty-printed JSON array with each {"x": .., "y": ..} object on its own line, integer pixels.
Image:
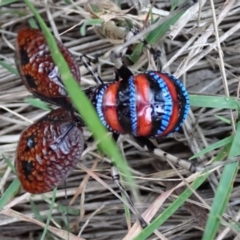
[
  {"x": 38, "y": 216},
  {"x": 32, "y": 22},
  {"x": 67, "y": 210},
  {"x": 90, "y": 22},
  {"x": 9, "y": 193},
  {"x": 49, "y": 214},
  {"x": 219, "y": 102},
  {"x": 9, "y": 163},
  {"x": 146, "y": 232},
  {"x": 218, "y": 144},
  {"x": 174, "y": 5},
  {"x": 35, "y": 211},
  {"x": 64, "y": 210},
  {"x": 154, "y": 36},
  {"x": 9, "y": 68},
  {"x": 223, "y": 191},
  {"x": 7, "y": 2},
  {"x": 169, "y": 211},
  {"x": 223, "y": 119},
  {"x": 126, "y": 212},
  {"x": 36, "y": 102}
]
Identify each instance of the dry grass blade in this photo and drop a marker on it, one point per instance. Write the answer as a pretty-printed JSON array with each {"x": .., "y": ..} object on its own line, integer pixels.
[
  {"x": 58, "y": 232},
  {"x": 202, "y": 48}
]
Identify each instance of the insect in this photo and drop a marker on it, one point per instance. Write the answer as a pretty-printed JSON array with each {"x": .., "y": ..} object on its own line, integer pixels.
[
  {"x": 150, "y": 104},
  {"x": 37, "y": 69},
  {"x": 49, "y": 149}
]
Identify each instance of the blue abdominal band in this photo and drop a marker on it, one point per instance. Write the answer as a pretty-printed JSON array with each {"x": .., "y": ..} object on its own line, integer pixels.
[
  {"x": 166, "y": 98},
  {"x": 132, "y": 105},
  {"x": 99, "y": 100},
  {"x": 167, "y": 102},
  {"x": 185, "y": 95}
]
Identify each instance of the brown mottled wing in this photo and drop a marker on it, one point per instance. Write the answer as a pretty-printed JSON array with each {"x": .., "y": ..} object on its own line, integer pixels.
[
  {"x": 37, "y": 69},
  {"x": 48, "y": 151}
]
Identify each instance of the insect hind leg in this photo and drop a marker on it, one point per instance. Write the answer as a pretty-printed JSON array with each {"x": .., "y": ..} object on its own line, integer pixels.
[
  {"x": 117, "y": 54},
  {"x": 155, "y": 52},
  {"x": 116, "y": 179},
  {"x": 87, "y": 63}
]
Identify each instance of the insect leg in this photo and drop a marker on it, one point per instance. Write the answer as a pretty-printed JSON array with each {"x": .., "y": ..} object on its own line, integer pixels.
[
  {"x": 116, "y": 179},
  {"x": 191, "y": 167},
  {"x": 117, "y": 54},
  {"x": 116, "y": 57},
  {"x": 156, "y": 53},
  {"x": 87, "y": 63}
]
